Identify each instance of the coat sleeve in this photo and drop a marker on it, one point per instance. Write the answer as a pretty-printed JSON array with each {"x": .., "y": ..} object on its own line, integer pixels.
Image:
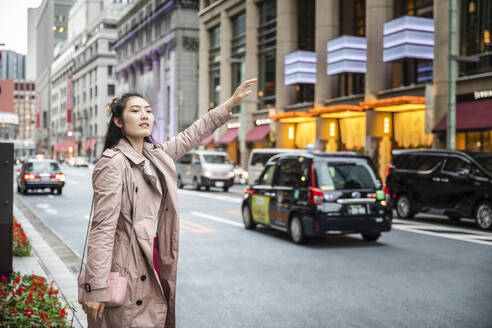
[
  {"x": 196, "y": 133},
  {"x": 107, "y": 181}
]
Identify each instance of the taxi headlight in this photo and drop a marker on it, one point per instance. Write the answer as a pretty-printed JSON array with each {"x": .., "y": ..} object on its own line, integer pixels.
[
  {"x": 383, "y": 202},
  {"x": 230, "y": 174},
  {"x": 206, "y": 174}
]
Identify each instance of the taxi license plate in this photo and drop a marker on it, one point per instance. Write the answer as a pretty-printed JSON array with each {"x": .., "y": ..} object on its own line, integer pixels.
[
  {"x": 356, "y": 209},
  {"x": 219, "y": 183}
]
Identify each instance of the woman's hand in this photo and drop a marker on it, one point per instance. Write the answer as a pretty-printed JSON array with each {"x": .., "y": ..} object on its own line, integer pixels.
[
  {"x": 240, "y": 94},
  {"x": 94, "y": 310}
]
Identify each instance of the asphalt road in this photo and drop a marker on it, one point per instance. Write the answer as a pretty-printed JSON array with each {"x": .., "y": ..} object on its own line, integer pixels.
[{"x": 424, "y": 273}]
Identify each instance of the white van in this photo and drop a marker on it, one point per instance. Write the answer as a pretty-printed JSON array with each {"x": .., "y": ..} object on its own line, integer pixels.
[
  {"x": 205, "y": 168},
  {"x": 258, "y": 159}
]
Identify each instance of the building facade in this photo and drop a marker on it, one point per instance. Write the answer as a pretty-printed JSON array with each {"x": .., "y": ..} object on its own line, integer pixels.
[
  {"x": 51, "y": 29},
  {"x": 12, "y": 65},
  {"x": 82, "y": 79},
  {"x": 17, "y": 114},
  {"x": 157, "y": 52},
  {"x": 367, "y": 76}
]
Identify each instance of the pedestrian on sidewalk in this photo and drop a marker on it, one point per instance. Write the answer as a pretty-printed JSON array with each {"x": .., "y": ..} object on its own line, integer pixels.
[{"x": 135, "y": 226}]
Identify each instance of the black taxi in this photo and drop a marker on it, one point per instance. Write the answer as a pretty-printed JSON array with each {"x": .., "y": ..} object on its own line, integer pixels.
[{"x": 313, "y": 194}]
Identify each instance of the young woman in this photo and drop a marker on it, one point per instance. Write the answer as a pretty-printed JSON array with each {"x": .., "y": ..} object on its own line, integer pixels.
[{"x": 135, "y": 224}]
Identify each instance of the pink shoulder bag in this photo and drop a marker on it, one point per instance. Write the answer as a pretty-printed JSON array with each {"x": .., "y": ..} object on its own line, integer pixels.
[{"x": 117, "y": 281}]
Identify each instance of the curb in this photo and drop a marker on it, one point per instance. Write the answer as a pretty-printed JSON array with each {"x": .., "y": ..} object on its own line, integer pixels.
[{"x": 53, "y": 260}]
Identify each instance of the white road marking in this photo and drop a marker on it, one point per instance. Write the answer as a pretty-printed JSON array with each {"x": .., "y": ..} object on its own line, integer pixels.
[
  {"x": 51, "y": 196},
  {"x": 477, "y": 237},
  {"x": 218, "y": 219},
  {"x": 216, "y": 197},
  {"x": 47, "y": 208}
]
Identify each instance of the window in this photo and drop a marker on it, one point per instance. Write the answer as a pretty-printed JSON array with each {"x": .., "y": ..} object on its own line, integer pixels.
[
  {"x": 408, "y": 71},
  {"x": 267, "y": 42},
  {"x": 475, "y": 35},
  {"x": 186, "y": 159},
  {"x": 216, "y": 159},
  {"x": 214, "y": 66},
  {"x": 110, "y": 89},
  {"x": 95, "y": 110},
  {"x": 95, "y": 91},
  {"x": 110, "y": 70},
  {"x": 238, "y": 49},
  {"x": 425, "y": 163},
  {"x": 456, "y": 165},
  {"x": 345, "y": 175},
  {"x": 267, "y": 178},
  {"x": 294, "y": 172}
]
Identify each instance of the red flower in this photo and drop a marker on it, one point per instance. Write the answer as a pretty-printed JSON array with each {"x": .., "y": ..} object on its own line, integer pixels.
[
  {"x": 18, "y": 279},
  {"x": 43, "y": 316},
  {"x": 4, "y": 279},
  {"x": 28, "y": 312},
  {"x": 62, "y": 313},
  {"x": 50, "y": 292}
]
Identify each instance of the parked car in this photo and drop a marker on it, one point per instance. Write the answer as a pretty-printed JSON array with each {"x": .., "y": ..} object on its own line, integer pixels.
[
  {"x": 40, "y": 174},
  {"x": 78, "y": 162},
  {"x": 314, "y": 194},
  {"x": 258, "y": 159},
  {"x": 205, "y": 168},
  {"x": 452, "y": 183}
]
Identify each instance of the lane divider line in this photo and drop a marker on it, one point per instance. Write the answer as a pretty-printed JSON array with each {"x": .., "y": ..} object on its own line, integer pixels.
[
  {"x": 217, "y": 219},
  {"x": 216, "y": 197}
]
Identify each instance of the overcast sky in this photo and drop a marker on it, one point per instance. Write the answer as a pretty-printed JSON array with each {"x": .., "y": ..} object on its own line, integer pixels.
[{"x": 13, "y": 24}]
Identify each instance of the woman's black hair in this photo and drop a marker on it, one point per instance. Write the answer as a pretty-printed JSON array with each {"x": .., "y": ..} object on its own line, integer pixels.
[{"x": 114, "y": 133}]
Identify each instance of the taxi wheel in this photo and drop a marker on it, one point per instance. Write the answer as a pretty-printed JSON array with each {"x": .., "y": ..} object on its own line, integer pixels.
[
  {"x": 247, "y": 219},
  {"x": 59, "y": 191},
  {"x": 226, "y": 189},
  {"x": 180, "y": 183},
  {"x": 296, "y": 230},
  {"x": 372, "y": 236},
  {"x": 24, "y": 191}
]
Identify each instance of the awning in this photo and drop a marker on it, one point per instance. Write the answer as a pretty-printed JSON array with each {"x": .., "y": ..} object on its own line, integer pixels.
[
  {"x": 258, "y": 133},
  {"x": 470, "y": 116},
  {"x": 228, "y": 137},
  {"x": 208, "y": 140}
]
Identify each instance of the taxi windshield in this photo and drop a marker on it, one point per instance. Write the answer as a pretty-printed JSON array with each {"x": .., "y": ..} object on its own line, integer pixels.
[
  {"x": 216, "y": 159},
  {"x": 345, "y": 175}
]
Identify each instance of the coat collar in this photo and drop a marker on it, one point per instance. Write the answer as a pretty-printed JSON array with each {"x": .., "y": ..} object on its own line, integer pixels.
[{"x": 127, "y": 149}]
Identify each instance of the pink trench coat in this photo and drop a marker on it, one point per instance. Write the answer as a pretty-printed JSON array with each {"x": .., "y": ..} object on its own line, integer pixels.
[{"x": 150, "y": 300}]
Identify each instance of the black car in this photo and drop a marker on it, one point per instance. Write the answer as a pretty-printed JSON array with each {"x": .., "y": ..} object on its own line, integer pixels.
[
  {"x": 40, "y": 174},
  {"x": 314, "y": 194},
  {"x": 452, "y": 183}
]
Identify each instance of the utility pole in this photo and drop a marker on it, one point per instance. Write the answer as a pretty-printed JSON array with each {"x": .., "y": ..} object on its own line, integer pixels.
[{"x": 452, "y": 64}]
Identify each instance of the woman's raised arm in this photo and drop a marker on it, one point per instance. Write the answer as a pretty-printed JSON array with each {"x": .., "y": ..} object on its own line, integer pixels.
[{"x": 206, "y": 125}]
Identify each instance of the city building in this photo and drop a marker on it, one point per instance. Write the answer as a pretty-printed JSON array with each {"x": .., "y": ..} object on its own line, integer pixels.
[
  {"x": 31, "y": 44},
  {"x": 157, "y": 53},
  {"x": 17, "y": 114},
  {"x": 347, "y": 75},
  {"x": 51, "y": 29},
  {"x": 93, "y": 73},
  {"x": 12, "y": 65}
]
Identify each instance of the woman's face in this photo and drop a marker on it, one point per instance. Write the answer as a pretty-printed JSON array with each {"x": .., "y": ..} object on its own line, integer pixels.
[{"x": 138, "y": 118}]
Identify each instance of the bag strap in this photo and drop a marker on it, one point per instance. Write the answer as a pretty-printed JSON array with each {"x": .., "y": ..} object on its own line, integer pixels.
[{"x": 132, "y": 234}]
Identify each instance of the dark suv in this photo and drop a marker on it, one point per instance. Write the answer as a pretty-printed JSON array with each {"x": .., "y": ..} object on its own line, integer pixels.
[
  {"x": 452, "y": 183},
  {"x": 313, "y": 194},
  {"x": 40, "y": 174}
]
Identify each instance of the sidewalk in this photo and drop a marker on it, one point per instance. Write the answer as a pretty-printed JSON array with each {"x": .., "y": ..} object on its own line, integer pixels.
[{"x": 45, "y": 262}]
